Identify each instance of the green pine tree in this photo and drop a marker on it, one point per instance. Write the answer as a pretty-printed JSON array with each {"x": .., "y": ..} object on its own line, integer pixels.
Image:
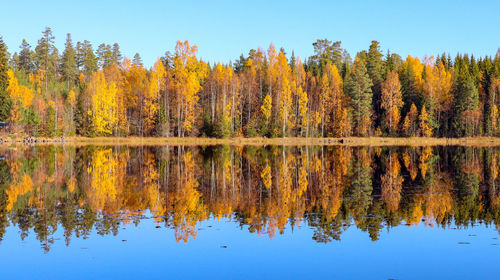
[
  {"x": 26, "y": 57},
  {"x": 358, "y": 87},
  {"x": 375, "y": 64},
  {"x": 105, "y": 56},
  {"x": 85, "y": 57},
  {"x": 69, "y": 68},
  {"x": 117, "y": 55},
  {"x": 46, "y": 56},
  {"x": 466, "y": 102},
  {"x": 137, "y": 61},
  {"x": 5, "y": 102}
]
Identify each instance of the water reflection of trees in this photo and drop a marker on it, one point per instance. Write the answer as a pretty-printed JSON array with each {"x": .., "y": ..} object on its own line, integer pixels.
[{"x": 267, "y": 190}]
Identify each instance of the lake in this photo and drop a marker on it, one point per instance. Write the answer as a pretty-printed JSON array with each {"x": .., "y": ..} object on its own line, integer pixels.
[{"x": 155, "y": 212}]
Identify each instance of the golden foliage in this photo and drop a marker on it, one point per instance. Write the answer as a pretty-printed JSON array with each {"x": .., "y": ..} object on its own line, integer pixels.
[
  {"x": 303, "y": 107},
  {"x": 103, "y": 176},
  {"x": 152, "y": 96},
  {"x": 392, "y": 100},
  {"x": 391, "y": 182},
  {"x": 423, "y": 160},
  {"x": 266, "y": 176},
  {"x": 19, "y": 94},
  {"x": 18, "y": 189},
  {"x": 425, "y": 127},
  {"x": 188, "y": 75},
  {"x": 409, "y": 125},
  {"x": 266, "y": 107},
  {"x": 104, "y": 105}
]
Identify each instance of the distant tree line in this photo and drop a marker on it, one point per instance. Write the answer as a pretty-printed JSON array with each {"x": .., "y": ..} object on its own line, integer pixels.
[{"x": 266, "y": 93}]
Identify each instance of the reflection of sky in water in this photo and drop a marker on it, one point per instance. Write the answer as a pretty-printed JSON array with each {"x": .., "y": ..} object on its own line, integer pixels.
[{"x": 417, "y": 252}]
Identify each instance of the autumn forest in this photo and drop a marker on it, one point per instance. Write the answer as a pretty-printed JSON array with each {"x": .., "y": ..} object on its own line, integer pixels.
[{"x": 269, "y": 93}]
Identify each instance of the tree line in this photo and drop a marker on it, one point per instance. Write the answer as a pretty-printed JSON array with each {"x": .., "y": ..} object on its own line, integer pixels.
[{"x": 265, "y": 93}]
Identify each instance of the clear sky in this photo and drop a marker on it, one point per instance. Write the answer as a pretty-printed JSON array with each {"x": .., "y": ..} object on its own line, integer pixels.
[{"x": 225, "y": 29}]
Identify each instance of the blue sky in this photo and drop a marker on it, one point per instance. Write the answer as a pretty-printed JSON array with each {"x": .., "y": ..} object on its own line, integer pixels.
[{"x": 225, "y": 29}]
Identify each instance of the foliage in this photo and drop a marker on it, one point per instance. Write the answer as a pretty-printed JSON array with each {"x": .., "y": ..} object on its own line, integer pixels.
[
  {"x": 265, "y": 93},
  {"x": 358, "y": 88}
]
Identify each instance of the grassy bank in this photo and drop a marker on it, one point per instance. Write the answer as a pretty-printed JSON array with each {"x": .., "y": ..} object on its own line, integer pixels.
[{"x": 259, "y": 141}]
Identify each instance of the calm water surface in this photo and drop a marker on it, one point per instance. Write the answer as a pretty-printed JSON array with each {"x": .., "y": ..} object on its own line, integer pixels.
[{"x": 249, "y": 212}]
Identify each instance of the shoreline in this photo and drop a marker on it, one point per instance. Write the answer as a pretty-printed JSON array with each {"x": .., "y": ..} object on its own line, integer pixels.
[{"x": 255, "y": 141}]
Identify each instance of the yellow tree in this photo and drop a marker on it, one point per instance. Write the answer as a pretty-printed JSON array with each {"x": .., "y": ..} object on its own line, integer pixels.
[
  {"x": 324, "y": 95},
  {"x": 331, "y": 99},
  {"x": 284, "y": 97},
  {"x": 437, "y": 85},
  {"x": 120, "y": 75},
  {"x": 21, "y": 98},
  {"x": 271, "y": 71},
  {"x": 409, "y": 124},
  {"x": 19, "y": 93},
  {"x": 443, "y": 83},
  {"x": 303, "y": 107},
  {"x": 392, "y": 100},
  {"x": 286, "y": 104},
  {"x": 266, "y": 107},
  {"x": 425, "y": 127},
  {"x": 152, "y": 97},
  {"x": 414, "y": 70},
  {"x": 103, "y": 98},
  {"x": 337, "y": 99},
  {"x": 298, "y": 80},
  {"x": 134, "y": 87},
  {"x": 188, "y": 74}
]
